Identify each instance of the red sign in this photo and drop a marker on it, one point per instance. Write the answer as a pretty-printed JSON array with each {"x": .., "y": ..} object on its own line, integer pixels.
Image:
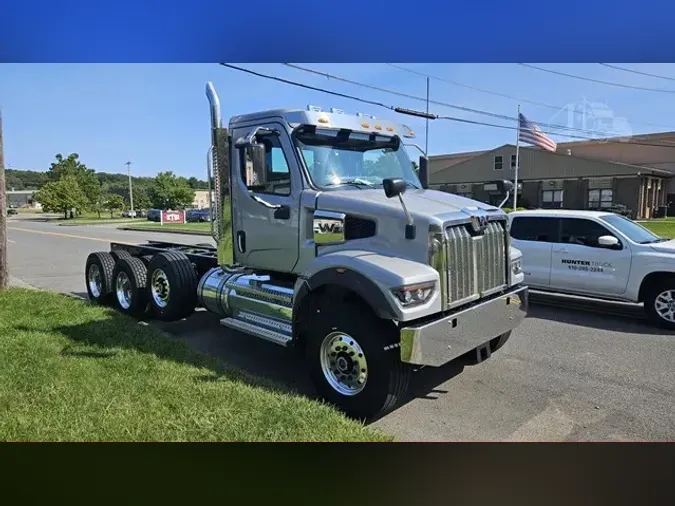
[{"x": 173, "y": 217}]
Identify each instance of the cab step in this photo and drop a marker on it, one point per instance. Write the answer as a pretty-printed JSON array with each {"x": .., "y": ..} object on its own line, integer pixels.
[{"x": 280, "y": 333}]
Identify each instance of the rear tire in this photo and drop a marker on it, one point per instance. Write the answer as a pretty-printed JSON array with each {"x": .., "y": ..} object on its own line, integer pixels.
[
  {"x": 120, "y": 253},
  {"x": 172, "y": 286},
  {"x": 130, "y": 280},
  {"x": 353, "y": 359},
  {"x": 98, "y": 274},
  {"x": 146, "y": 260},
  {"x": 660, "y": 303}
]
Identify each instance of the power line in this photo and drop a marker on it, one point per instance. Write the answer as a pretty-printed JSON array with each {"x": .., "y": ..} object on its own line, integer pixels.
[
  {"x": 437, "y": 102},
  {"x": 504, "y": 95},
  {"x": 636, "y": 72},
  {"x": 404, "y": 111},
  {"x": 379, "y": 104},
  {"x": 609, "y": 83}
]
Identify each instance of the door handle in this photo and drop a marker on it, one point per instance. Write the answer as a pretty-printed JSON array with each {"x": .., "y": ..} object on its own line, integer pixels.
[
  {"x": 282, "y": 213},
  {"x": 561, "y": 250}
]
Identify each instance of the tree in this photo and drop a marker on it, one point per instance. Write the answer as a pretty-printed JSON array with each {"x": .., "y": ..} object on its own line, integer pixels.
[
  {"x": 62, "y": 196},
  {"x": 171, "y": 192},
  {"x": 86, "y": 178},
  {"x": 141, "y": 198},
  {"x": 113, "y": 203}
]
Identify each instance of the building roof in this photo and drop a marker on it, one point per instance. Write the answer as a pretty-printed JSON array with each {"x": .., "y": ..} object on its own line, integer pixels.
[{"x": 636, "y": 168}]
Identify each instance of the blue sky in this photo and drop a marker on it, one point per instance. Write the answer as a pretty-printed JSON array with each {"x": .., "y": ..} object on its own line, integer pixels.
[{"x": 156, "y": 115}]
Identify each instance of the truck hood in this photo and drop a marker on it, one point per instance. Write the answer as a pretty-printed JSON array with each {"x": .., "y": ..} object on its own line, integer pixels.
[
  {"x": 664, "y": 247},
  {"x": 427, "y": 203}
]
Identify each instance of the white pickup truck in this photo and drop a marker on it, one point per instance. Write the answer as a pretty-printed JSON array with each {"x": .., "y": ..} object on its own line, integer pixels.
[{"x": 597, "y": 254}]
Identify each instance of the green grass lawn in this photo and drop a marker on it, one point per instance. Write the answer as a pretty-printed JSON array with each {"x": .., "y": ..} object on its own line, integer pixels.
[
  {"x": 662, "y": 228},
  {"x": 201, "y": 227},
  {"x": 73, "y": 371}
]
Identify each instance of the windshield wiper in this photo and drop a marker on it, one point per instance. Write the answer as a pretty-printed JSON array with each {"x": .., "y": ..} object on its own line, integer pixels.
[
  {"x": 354, "y": 182},
  {"x": 653, "y": 241}
]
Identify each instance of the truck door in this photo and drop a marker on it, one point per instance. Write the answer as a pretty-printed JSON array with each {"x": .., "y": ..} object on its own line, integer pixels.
[
  {"x": 580, "y": 264},
  {"x": 266, "y": 230},
  {"x": 535, "y": 236}
]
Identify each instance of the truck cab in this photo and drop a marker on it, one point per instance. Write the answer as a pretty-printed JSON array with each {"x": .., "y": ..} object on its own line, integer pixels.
[
  {"x": 337, "y": 248},
  {"x": 597, "y": 254}
]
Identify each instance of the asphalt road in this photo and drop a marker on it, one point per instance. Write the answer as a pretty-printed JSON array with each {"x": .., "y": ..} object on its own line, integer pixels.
[{"x": 572, "y": 371}]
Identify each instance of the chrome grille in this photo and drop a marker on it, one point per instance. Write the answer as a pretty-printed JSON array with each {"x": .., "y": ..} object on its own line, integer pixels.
[{"x": 476, "y": 264}]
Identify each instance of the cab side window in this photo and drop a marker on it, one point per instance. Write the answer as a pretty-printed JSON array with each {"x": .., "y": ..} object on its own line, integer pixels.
[
  {"x": 582, "y": 232},
  {"x": 277, "y": 170},
  {"x": 535, "y": 229}
]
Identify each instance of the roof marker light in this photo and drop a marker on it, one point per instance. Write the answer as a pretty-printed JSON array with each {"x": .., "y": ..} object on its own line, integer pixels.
[
  {"x": 336, "y": 111},
  {"x": 314, "y": 108}
]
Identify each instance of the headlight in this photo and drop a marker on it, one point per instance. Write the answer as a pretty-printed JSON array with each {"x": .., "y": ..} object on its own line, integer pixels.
[
  {"x": 411, "y": 295},
  {"x": 517, "y": 266}
]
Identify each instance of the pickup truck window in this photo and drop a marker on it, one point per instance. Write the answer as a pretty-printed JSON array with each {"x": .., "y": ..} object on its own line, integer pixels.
[
  {"x": 535, "y": 229},
  {"x": 634, "y": 231},
  {"x": 582, "y": 232}
]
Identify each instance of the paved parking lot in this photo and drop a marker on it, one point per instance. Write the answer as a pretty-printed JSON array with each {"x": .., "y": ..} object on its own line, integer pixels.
[{"x": 572, "y": 371}]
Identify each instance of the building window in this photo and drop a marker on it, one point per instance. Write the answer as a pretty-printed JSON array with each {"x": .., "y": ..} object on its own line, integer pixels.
[
  {"x": 600, "y": 198},
  {"x": 498, "y": 163},
  {"x": 513, "y": 162},
  {"x": 551, "y": 199}
]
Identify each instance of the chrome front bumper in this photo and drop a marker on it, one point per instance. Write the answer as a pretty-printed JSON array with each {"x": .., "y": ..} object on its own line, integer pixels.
[{"x": 440, "y": 341}]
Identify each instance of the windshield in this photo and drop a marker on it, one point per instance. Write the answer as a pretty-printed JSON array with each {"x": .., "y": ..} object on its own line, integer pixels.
[
  {"x": 345, "y": 158},
  {"x": 634, "y": 231}
]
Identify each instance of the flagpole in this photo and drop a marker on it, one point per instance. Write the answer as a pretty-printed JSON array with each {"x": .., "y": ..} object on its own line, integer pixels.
[{"x": 515, "y": 184}]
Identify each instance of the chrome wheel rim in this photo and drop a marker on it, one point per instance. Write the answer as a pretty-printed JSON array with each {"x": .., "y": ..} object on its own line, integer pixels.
[
  {"x": 94, "y": 280},
  {"x": 123, "y": 290},
  {"x": 665, "y": 305},
  {"x": 343, "y": 363},
  {"x": 159, "y": 287}
]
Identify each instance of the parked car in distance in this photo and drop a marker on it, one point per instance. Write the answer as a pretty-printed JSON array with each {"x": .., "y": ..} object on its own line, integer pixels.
[
  {"x": 597, "y": 254},
  {"x": 129, "y": 214},
  {"x": 198, "y": 215},
  {"x": 154, "y": 215},
  {"x": 11, "y": 211}
]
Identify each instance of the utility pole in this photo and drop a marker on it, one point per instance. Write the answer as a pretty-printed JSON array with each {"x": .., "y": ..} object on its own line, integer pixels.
[
  {"x": 426, "y": 136},
  {"x": 131, "y": 195},
  {"x": 4, "y": 270}
]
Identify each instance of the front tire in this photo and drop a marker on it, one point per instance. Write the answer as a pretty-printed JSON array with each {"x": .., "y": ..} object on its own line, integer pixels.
[
  {"x": 660, "y": 304},
  {"x": 353, "y": 360},
  {"x": 172, "y": 286},
  {"x": 129, "y": 280}
]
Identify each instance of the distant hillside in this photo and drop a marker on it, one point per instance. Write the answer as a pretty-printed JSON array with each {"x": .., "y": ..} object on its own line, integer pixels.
[{"x": 32, "y": 180}]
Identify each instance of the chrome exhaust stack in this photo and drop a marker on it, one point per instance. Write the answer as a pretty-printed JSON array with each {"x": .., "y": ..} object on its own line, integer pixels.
[{"x": 217, "y": 165}]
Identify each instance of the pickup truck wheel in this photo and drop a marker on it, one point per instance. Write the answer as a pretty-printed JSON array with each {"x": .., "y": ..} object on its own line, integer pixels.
[
  {"x": 130, "y": 277},
  {"x": 354, "y": 362},
  {"x": 660, "y": 304},
  {"x": 172, "y": 286},
  {"x": 98, "y": 277}
]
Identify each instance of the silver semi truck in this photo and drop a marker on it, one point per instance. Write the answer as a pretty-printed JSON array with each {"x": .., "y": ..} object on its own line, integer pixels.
[{"x": 336, "y": 247}]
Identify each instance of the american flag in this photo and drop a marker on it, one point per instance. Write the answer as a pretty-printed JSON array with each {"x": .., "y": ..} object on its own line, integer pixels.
[{"x": 532, "y": 134}]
